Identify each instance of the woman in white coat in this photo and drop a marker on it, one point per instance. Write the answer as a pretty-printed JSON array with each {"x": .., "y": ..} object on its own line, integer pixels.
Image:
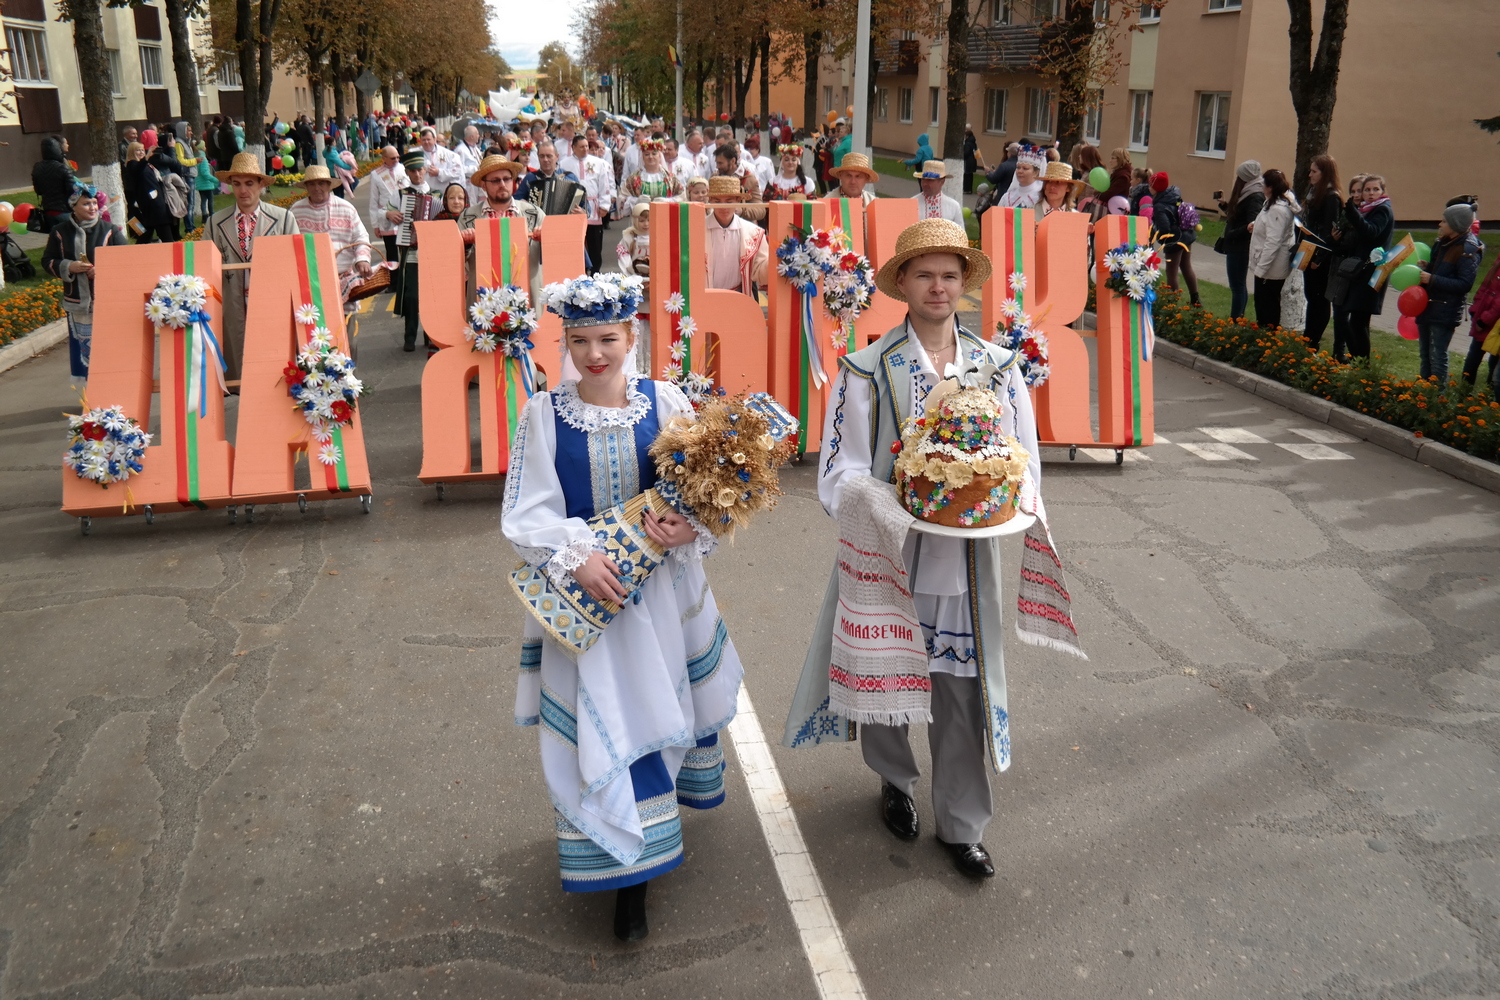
[{"x": 1272, "y": 236}]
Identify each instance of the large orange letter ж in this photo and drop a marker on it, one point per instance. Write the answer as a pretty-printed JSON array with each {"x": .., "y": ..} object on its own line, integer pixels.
[{"x": 191, "y": 466}]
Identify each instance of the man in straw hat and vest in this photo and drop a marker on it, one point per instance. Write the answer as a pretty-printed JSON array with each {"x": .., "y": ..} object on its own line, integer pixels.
[
  {"x": 737, "y": 249},
  {"x": 497, "y": 177},
  {"x": 234, "y": 231},
  {"x": 931, "y": 202},
  {"x": 322, "y": 211},
  {"x": 954, "y": 582},
  {"x": 854, "y": 176}
]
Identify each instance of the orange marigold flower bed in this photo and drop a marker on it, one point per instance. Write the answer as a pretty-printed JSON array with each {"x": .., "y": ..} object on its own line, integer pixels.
[{"x": 29, "y": 308}]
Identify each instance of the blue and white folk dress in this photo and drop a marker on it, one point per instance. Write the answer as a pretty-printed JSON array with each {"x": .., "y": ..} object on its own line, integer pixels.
[{"x": 630, "y": 729}]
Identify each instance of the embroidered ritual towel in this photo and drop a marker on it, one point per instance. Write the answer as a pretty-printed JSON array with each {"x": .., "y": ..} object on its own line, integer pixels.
[
  {"x": 878, "y": 672},
  {"x": 1044, "y": 609}
]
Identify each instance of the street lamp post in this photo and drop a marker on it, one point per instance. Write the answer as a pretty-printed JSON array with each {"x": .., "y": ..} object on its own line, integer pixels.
[{"x": 861, "y": 120}]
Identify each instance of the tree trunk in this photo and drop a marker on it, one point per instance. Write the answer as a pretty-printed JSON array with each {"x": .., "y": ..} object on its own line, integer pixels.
[
  {"x": 765, "y": 79},
  {"x": 742, "y": 83},
  {"x": 1314, "y": 79},
  {"x": 315, "y": 88},
  {"x": 385, "y": 98},
  {"x": 336, "y": 74},
  {"x": 99, "y": 103},
  {"x": 254, "y": 24},
  {"x": 699, "y": 76},
  {"x": 183, "y": 64},
  {"x": 812, "y": 51},
  {"x": 1073, "y": 89},
  {"x": 957, "y": 45}
]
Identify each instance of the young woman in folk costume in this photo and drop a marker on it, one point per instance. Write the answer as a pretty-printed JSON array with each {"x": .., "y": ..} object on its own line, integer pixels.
[
  {"x": 791, "y": 180},
  {"x": 652, "y": 181},
  {"x": 630, "y": 728}
]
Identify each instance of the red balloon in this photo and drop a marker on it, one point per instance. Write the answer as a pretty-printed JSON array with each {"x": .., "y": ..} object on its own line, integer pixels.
[
  {"x": 1407, "y": 327},
  {"x": 275, "y": 163},
  {"x": 23, "y": 211},
  {"x": 1412, "y": 301}
]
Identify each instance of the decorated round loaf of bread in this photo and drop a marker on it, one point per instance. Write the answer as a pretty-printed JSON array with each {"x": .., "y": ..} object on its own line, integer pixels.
[{"x": 956, "y": 466}]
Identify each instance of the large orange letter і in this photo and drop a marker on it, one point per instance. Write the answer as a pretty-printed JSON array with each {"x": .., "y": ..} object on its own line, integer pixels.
[
  {"x": 192, "y": 465},
  {"x": 287, "y": 273}
]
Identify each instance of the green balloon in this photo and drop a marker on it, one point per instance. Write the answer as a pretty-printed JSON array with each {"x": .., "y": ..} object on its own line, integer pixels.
[
  {"x": 1405, "y": 276},
  {"x": 968, "y": 212},
  {"x": 1099, "y": 179},
  {"x": 1422, "y": 251}
]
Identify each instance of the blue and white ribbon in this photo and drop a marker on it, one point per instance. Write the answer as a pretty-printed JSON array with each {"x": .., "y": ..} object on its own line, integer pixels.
[{"x": 206, "y": 356}]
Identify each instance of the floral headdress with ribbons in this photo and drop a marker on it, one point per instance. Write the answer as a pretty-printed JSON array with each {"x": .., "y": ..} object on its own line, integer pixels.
[
  {"x": 795, "y": 148},
  {"x": 653, "y": 145},
  {"x": 596, "y": 299}
]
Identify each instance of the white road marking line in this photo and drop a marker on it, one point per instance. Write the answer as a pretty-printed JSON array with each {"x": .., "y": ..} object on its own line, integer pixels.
[
  {"x": 1161, "y": 438},
  {"x": 1324, "y": 435},
  {"x": 1315, "y": 452},
  {"x": 832, "y": 967},
  {"x": 1233, "y": 435},
  {"x": 1136, "y": 455},
  {"x": 1214, "y": 452},
  {"x": 1099, "y": 454}
]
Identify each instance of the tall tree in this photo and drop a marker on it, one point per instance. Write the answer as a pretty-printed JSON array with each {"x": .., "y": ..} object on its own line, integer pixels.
[
  {"x": 1315, "y": 78},
  {"x": 254, "y": 32},
  {"x": 98, "y": 99},
  {"x": 184, "y": 66},
  {"x": 1083, "y": 51},
  {"x": 957, "y": 46}
]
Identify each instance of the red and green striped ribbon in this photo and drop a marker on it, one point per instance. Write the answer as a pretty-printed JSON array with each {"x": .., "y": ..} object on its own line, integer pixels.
[
  {"x": 683, "y": 282},
  {"x": 337, "y": 475},
  {"x": 1131, "y": 326},
  {"x": 801, "y": 218},
  {"x": 510, "y": 386},
  {"x": 186, "y": 417},
  {"x": 1018, "y": 228}
]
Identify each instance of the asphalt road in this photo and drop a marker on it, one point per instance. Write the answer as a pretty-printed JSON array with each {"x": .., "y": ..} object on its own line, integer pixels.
[{"x": 277, "y": 760}]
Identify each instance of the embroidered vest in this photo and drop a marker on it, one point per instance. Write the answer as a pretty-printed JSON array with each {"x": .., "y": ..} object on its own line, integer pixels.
[{"x": 601, "y": 469}]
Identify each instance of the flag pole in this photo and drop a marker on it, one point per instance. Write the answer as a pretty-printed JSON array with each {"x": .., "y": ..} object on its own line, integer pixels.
[{"x": 860, "y": 124}]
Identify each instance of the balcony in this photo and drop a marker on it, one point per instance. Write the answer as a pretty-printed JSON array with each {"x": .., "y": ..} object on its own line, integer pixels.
[{"x": 1003, "y": 48}]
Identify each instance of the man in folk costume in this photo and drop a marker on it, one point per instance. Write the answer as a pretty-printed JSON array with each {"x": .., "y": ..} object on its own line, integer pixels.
[
  {"x": 598, "y": 182},
  {"x": 386, "y": 182},
  {"x": 469, "y": 152},
  {"x": 653, "y": 180},
  {"x": 548, "y": 187},
  {"x": 854, "y": 178},
  {"x": 727, "y": 164},
  {"x": 498, "y": 178},
  {"x": 737, "y": 250},
  {"x": 234, "y": 231},
  {"x": 324, "y": 212},
  {"x": 443, "y": 165},
  {"x": 931, "y": 202},
  {"x": 954, "y": 584},
  {"x": 416, "y": 206}
]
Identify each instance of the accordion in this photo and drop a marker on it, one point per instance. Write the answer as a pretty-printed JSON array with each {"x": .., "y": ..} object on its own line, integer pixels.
[
  {"x": 423, "y": 208},
  {"x": 558, "y": 198}
]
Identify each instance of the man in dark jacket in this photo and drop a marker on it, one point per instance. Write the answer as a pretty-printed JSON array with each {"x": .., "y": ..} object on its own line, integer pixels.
[
  {"x": 52, "y": 180},
  {"x": 1448, "y": 276}
]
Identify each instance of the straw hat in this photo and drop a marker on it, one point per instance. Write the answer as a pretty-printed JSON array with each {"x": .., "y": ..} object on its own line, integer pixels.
[
  {"x": 931, "y": 170},
  {"x": 933, "y": 236},
  {"x": 1059, "y": 171},
  {"x": 495, "y": 162},
  {"x": 725, "y": 187},
  {"x": 316, "y": 172},
  {"x": 856, "y": 163},
  {"x": 245, "y": 165}
]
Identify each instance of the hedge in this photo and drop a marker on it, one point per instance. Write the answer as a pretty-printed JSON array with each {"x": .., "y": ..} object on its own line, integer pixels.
[{"x": 1459, "y": 414}]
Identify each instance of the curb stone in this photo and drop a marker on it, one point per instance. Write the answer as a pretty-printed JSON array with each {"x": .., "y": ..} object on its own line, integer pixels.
[
  {"x": 42, "y": 339},
  {"x": 1434, "y": 454}
]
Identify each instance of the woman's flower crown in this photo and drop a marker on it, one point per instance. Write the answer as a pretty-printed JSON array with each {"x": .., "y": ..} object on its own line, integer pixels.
[{"x": 596, "y": 299}]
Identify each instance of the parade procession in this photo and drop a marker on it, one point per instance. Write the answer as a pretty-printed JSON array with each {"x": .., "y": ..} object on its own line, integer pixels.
[{"x": 509, "y": 543}]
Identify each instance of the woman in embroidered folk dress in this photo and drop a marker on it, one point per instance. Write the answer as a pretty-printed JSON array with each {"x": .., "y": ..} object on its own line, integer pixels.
[
  {"x": 629, "y": 730},
  {"x": 791, "y": 180}
]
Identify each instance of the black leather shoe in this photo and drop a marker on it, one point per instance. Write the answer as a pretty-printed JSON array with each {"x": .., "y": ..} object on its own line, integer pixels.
[
  {"x": 630, "y": 912},
  {"x": 409, "y": 347},
  {"x": 971, "y": 859},
  {"x": 898, "y": 811}
]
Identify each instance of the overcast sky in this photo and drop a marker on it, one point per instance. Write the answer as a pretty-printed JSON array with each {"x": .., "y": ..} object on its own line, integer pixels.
[{"x": 523, "y": 28}]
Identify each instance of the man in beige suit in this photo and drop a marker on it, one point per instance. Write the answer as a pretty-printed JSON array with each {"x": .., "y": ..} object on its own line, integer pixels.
[{"x": 234, "y": 231}]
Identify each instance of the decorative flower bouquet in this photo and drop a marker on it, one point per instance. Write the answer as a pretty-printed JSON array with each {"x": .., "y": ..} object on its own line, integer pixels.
[
  {"x": 179, "y": 302},
  {"x": 322, "y": 385},
  {"x": 717, "y": 470},
  {"x": 1134, "y": 269},
  {"x": 848, "y": 277},
  {"x": 501, "y": 319},
  {"x": 104, "y": 445},
  {"x": 1016, "y": 332},
  {"x": 696, "y": 386}
]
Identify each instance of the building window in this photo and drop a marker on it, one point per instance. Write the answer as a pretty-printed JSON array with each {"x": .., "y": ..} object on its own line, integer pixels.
[
  {"x": 1093, "y": 116},
  {"x": 1039, "y": 120},
  {"x": 827, "y": 99},
  {"x": 1101, "y": 13},
  {"x": 1213, "y": 124},
  {"x": 151, "y": 66},
  {"x": 908, "y": 36},
  {"x": 1140, "y": 119},
  {"x": 935, "y": 100},
  {"x": 1223, "y": 4},
  {"x": 903, "y": 104},
  {"x": 1150, "y": 13},
  {"x": 28, "y": 54},
  {"x": 228, "y": 73},
  {"x": 995, "y": 100},
  {"x": 1000, "y": 12},
  {"x": 882, "y": 104},
  {"x": 116, "y": 75}
]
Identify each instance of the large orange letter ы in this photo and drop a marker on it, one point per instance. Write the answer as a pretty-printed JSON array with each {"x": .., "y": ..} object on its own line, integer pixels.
[
  {"x": 287, "y": 273},
  {"x": 1127, "y": 417},
  {"x": 190, "y": 467},
  {"x": 799, "y": 349}
]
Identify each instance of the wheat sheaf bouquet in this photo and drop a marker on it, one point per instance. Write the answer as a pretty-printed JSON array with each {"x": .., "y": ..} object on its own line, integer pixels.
[{"x": 718, "y": 469}]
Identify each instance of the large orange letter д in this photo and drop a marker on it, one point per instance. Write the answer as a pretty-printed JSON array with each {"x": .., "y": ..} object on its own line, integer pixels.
[
  {"x": 191, "y": 467},
  {"x": 288, "y": 273}
]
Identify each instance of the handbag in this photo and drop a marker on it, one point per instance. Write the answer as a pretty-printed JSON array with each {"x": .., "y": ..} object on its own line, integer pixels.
[
  {"x": 1347, "y": 274},
  {"x": 1491, "y": 343}
]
